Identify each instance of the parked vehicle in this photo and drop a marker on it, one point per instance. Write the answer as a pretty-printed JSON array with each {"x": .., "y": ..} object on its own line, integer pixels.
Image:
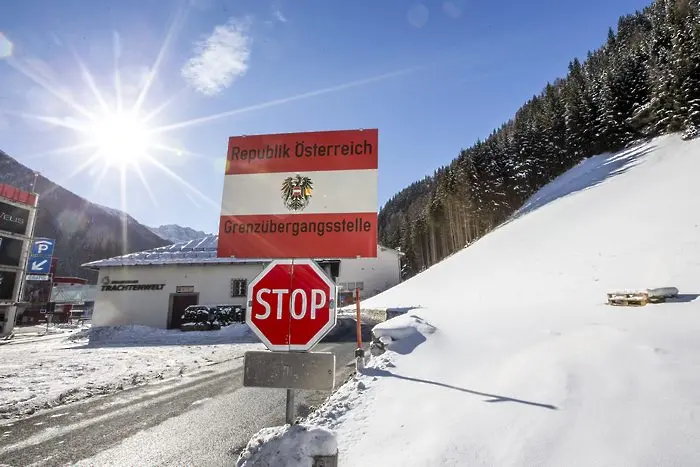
[{"x": 221, "y": 314}]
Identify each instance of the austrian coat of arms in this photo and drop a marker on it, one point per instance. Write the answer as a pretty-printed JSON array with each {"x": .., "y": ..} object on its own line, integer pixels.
[{"x": 296, "y": 192}]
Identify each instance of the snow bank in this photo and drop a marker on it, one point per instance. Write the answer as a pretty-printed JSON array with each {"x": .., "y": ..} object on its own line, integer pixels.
[
  {"x": 47, "y": 372},
  {"x": 288, "y": 446},
  {"x": 144, "y": 335},
  {"x": 403, "y": 333},
  {"x": 528, "y": 364}
]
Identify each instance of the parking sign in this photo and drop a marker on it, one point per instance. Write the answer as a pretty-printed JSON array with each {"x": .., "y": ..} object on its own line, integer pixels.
[{"x": 43, "y": 246}]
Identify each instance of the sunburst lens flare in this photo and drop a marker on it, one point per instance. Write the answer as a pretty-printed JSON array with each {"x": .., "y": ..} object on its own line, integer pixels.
[{"x": 121, "y": 138}]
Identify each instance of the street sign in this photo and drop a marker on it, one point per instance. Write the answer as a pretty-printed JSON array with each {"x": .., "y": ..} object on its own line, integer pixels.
[
  {"x": 289, "y": 370},
  {"x": 300, "y": 195},
  {"x": 292, "y": 305},
  {"x": 39, "y": 264},
  {"x": 43, "y": 246},
  {"x": 37, "y": 277}
]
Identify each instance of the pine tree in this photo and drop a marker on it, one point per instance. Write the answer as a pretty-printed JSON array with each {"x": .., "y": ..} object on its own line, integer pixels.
[{"x": 644, "y": 81}]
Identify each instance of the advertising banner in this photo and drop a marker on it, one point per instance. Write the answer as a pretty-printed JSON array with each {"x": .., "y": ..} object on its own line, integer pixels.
[{"x": 13, "y": 219}]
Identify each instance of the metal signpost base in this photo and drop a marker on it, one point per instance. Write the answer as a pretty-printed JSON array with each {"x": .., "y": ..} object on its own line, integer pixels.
[{"x": 290, "y": 411}]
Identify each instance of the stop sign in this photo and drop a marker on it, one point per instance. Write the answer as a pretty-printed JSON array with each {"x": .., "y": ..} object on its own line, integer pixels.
[{"x": 291, "y": 305}]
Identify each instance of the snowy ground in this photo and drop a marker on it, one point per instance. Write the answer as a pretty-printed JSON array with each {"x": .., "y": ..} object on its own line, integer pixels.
[
  {"x": 515, "y": 359},
  {"x": 45, "y": 371}
]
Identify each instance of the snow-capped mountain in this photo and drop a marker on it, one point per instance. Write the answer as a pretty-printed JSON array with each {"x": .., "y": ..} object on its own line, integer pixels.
[
  {"x": 84, "y": 231},
  {"x": 176, "y": 233}
]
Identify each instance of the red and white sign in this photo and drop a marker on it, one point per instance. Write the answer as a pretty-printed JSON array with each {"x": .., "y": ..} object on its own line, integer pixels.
[
  {"x": 300, "y": 195},
  {"x": 291, "y": 305}
]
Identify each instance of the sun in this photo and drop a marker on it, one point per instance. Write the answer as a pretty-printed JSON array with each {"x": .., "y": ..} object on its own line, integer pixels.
[{"x": 120, "y": 139}]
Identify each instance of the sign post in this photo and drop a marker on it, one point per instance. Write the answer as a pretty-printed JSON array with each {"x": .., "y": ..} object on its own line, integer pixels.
[
  {"x": 292, "y": 306},
  {"x": 292, "y": 197}
]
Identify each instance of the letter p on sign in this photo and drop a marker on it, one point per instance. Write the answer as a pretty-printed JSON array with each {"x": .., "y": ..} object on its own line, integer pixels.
[{"x": 43, "y": 247}]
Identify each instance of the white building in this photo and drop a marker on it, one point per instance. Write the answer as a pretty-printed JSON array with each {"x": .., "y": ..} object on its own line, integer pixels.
[{"x": 153, "y": 287}]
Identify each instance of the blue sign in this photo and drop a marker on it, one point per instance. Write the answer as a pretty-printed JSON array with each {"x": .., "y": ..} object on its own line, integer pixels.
[
  {"x": 39, "y": 264},
  {"x": 43, "y": 246}
]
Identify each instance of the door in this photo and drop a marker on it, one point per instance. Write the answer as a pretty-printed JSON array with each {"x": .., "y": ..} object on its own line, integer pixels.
[{"x": 177, "y": 308}]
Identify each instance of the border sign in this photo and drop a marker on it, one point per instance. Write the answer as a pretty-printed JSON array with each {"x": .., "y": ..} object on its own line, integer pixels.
[{"x": 300, "y": 195}]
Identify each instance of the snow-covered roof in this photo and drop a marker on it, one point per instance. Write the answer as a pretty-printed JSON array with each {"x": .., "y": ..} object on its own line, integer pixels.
[{"x": 200, "y": 251}]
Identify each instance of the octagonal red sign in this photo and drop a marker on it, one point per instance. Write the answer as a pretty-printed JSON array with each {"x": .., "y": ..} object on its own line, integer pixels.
[{"x": 291, "y": 305}]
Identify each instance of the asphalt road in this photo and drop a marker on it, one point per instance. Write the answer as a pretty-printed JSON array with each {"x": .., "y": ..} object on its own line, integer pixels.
[{"x": 205, "y": 420}]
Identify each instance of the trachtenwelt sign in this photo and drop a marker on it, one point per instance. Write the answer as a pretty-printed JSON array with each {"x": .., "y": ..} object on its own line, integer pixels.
[{"x": 123, "y": 286}]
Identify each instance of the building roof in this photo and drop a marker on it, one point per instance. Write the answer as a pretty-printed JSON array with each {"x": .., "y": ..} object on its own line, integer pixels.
[{"x": 200, "y": 251}]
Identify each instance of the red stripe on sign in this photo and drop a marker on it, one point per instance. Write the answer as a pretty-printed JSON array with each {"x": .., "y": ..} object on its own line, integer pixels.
[
  {"x": 298, "y": 236},
  {"x": 15, "y": 194},
  {"x": 303, "y": 152}
]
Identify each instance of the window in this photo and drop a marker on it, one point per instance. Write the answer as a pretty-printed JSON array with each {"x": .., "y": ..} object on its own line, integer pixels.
[
  {"x": 360, "y": 285},
  {"x": 239, "y": 287}
]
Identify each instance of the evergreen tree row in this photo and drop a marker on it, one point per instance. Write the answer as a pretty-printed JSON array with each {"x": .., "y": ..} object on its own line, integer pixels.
[{"x": 643, "y": 82}]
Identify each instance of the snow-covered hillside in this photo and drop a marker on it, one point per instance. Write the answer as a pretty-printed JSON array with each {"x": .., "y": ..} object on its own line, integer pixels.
[
  {"x": 176, "y": 233},
  {"x": 526, "y": 364}
]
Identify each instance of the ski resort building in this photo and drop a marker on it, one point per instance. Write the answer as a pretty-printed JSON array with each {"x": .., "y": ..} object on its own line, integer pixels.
[{"x": 153, "y": 287}]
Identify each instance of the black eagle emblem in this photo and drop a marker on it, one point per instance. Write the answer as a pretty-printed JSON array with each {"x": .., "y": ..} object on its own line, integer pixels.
[{"x": 296, "y": 192}]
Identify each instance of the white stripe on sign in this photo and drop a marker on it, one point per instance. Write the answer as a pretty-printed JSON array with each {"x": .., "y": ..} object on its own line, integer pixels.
[{"x": 336, "y": 191}]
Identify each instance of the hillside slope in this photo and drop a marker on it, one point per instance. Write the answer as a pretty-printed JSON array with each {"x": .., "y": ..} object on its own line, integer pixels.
[
  {"x": 642, "y": 82},
  {"x": 527, "y": 364},
  {"x": 83, "y": 231}
]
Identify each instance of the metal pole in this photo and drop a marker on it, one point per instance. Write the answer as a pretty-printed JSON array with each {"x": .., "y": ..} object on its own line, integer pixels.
[
  {"x": 359, "y": 352},
  {"x": 290, "y": 410}
]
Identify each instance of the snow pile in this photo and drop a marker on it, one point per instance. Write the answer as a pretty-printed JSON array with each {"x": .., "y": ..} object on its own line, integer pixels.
[
  {"x": 41, "y": 330},
  {"x": 529, "y": 365},
  {"x": 144, "y": 335},
  {"x": 288, "y": 446},
  {"x": 47, "y": 372},
  {"x": 403, "y": 333}
]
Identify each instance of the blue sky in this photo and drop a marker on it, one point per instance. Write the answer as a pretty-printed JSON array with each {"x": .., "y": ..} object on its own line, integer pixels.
[{"x": 433, "y": 77}]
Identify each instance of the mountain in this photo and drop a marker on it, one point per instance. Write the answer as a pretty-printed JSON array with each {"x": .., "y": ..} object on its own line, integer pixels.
[
  {"x": 644, "y": 81},
  {"x": 174, "y": 233},
  {"x": 84, "y": 231}
]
